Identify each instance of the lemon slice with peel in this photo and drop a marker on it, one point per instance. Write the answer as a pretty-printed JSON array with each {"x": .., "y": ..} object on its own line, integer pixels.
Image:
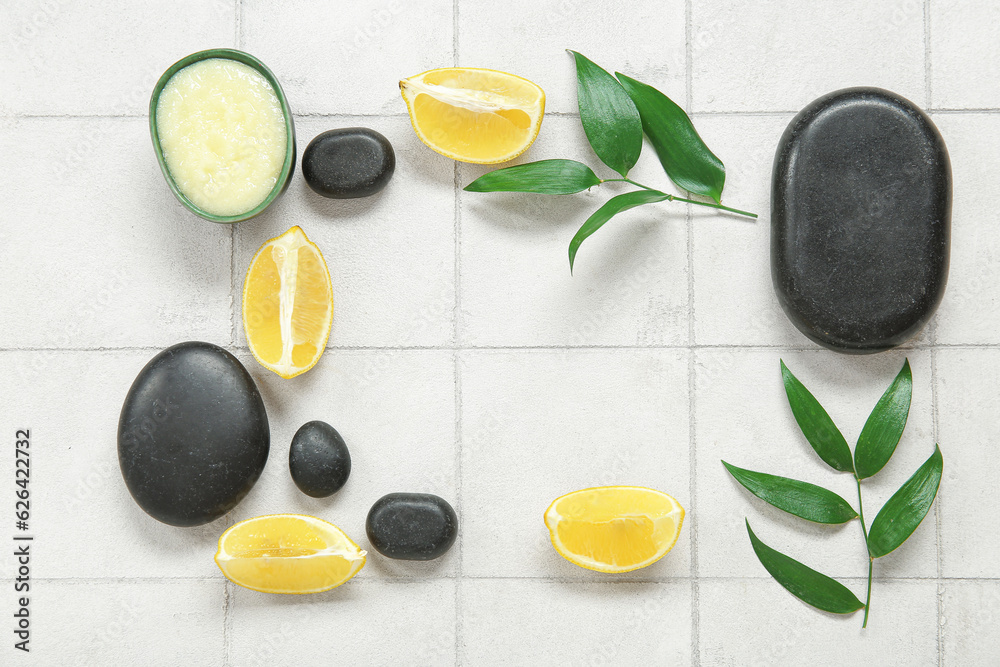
[
  {"x": 614, "y": 528},
  {"x": 288, "y": 304},
  {"x": 288, "y": 553},
  {"x": 474, "y": 115}
]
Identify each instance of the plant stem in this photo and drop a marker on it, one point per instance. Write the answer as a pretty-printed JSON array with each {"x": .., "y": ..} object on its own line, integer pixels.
[
  {"x": 629, "y": 180},
  {"x": 673, "y": 198},
  {"x": 710, "y": 205},
  {"x": 864, "y": 531}
]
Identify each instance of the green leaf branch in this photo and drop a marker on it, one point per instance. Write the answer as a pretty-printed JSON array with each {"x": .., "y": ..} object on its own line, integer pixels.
[
  {"x": 893, "y": 524},
  {"x": 615, "y": 113}
]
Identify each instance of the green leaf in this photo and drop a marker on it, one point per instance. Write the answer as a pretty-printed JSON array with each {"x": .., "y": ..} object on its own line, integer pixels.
[
  {"x": 902, "y": 513},
  {"x": 609, "y": 117},
  {"x": 547, "y": 177},
  {"x": 808, "y": 501},
  {"x": 816, "y": 425},
  {"x": 804, "y": 582},
  {"x": 683, "y": 154},
  {"x": 885, "y": 425},
  {"x": 609, "y": 210}
]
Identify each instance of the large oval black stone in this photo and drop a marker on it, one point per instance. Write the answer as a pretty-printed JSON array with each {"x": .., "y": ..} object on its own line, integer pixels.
[
  {"x": 193, "y": 435},
  {"x": 412, "y": 526},
  {"x": 860, "y": 220}
]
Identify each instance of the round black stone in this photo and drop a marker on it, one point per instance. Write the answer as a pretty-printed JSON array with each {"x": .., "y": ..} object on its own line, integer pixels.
[
  {"x": 318, "y": 460},
  {"x": 348, "y": 163},
  {"x": 860, "y": 220},
  {"x": 193, "y": 435},
  {"x": 412, "y": 526}
]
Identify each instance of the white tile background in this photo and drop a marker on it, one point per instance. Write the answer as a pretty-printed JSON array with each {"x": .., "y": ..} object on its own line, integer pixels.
[{"x": 465, "y": 361}]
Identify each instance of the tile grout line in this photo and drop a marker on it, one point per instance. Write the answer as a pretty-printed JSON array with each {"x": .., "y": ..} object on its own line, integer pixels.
[
  {"x": 238, "y": 24},
  {"x": 935, "y": 427},
  {"x": 404, "y": 580},
  {"x": 970, "y": 110},
  {"x": 511, "y": 348},
  {"x": 232, "y": 286},
  {"x": 565, "y": 114},
  {"x": 693, "y": 520},
  {"x": 692, "y": 464},
  {"x": 459, "y": 574},
  {"x": 939, "y": 592},
  {"x": 227, "y": 591},
  {"x": 742, "y": 112},
  {"x": 323, "y": 114},
  {"x": 227, "y": 621},
  {"x": 928, "y": 90},
  {"x": 457, "y": 356},
  {"x": 110, "y": 116}
]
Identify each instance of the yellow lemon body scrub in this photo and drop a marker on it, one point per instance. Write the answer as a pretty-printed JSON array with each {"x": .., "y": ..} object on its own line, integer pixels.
[{"x": 222, "y": 134}]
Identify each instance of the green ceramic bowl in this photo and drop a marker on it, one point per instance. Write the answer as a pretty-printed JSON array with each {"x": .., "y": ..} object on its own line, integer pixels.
[{"x": 286, "y": 169}]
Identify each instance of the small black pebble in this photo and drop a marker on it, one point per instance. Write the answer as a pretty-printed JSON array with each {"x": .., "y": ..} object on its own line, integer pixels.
[
  {"x": 412, "y": 526},
  {"x": 348, "y": 163},
  {"x": 318, "y": 460}
]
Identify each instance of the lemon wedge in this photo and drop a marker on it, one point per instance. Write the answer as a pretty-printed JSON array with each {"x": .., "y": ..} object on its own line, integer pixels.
[
  {"x": 288, "y": 553},
  {"x": 474, "y": 115},
  {"x": 614, "y": 528},
  {"x": 288, "y": 304}
]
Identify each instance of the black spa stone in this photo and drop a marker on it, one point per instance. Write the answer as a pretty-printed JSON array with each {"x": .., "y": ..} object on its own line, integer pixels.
[
  {"x": 193, "y": 435},
  {"x": 412, "y": 526},
  {"x": 860, "y": 220},
  {"x": 348, "y": 163},
  {"x": 318, "y": 460}
]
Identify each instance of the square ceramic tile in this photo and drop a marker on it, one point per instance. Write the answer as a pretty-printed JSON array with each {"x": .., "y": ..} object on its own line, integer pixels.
[
  {"x": 100, "y": 57},
  {"x": 363, "y": 622},
  {"x": 395, "y": 410},
  {"x": 963, "y": 35},
  {"x": 519, "y": 622},
  {"x": 757, "y": 622},
  {"x": 391, "y": 256},
  {"x": 161, "y": 623},
  {"x": 83, "y": 519},
  {"x": 970, "y": 612},
  {"x": 538, "y": 424},
  {"x": 969, "y": 311},
  {"x": 967, "y": 409},
  {"x": 734, "y": 300},
  {"x": 734, "y": 297},
  {"x": 742, "y": 416},
  {"x": 643, "y": 40},
  {"x": 347, "y": 58},
  {"x": 779, "y": 56},
  {"x": 629, "y": 285},
  {"x": 96, "y": 252}
]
